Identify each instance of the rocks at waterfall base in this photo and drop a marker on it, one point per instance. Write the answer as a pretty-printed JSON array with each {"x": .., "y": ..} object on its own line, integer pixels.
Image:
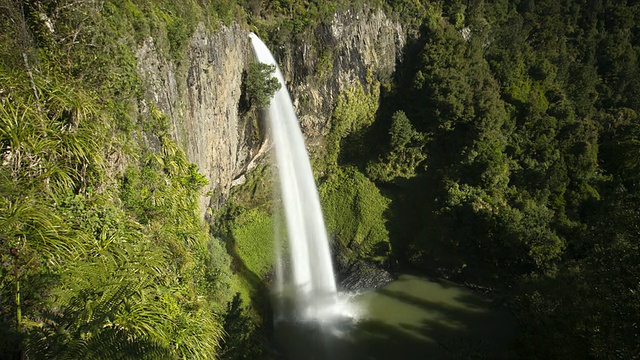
[{"x": 364, "y": 275}]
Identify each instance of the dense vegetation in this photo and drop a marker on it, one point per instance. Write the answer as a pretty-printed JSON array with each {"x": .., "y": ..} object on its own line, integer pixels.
[
  {"x": 103, "y": 251},
  {"x": 510, "y": 161},
  {"x": 521, "y": 154}
]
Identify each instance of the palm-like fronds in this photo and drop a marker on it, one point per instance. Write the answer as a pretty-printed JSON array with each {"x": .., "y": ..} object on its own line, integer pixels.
[
  {"x": 125, "y": 275},
  {"x": 102, "y": 309},
  {"x": 113, "y": 343},
  {"x": 21, "y": 141},
  {"x": 122, "y": 298},
  {"x": 26, "y": 222},
  {"x": 58, "y": 139},
  {"x": 72, "y": 108}
]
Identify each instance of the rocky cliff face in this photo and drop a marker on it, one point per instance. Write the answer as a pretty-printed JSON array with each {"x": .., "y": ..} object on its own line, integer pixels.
[
  {"x": 201, "y": 97},
  {"x": 336, "y": 56}
]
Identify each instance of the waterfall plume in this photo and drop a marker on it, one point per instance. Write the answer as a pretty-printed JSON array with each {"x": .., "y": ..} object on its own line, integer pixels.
[{"x": 311, "y": 282}]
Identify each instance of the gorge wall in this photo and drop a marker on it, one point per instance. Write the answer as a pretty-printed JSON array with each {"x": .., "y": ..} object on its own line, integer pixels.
[
  {"x": 201, "y": 93},
  {"x": 336, "y": 56},
  {"x": 201, "y": 96}
]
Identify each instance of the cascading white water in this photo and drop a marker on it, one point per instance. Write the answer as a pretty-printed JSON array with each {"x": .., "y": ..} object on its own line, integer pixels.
[{"x": 312, "y": 275}]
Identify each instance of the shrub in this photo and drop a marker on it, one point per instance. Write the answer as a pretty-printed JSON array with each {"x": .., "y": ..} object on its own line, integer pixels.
[{"x": 260, "y": 84}]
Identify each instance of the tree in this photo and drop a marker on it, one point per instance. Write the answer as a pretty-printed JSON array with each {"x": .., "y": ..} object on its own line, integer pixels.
[
  {"x": 406, "y": 153},
  {"x": 401, "y": 130},
  {"x": 260, "y": 84}
]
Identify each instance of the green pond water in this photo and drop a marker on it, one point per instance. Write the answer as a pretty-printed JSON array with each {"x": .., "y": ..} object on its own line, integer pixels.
[{"x": 410, "y": 318}]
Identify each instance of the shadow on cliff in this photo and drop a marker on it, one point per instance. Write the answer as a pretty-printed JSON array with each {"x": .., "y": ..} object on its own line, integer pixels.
[
  {"x": 259, "y": 295},
  {"x": 238, "y": 266}
]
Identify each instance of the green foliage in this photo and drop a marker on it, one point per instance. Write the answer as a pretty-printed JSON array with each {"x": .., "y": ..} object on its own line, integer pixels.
[
  {"x": 178, "y": 34},
  {"x": 411, "y": 12},
  {"x": 289, "y": 17},
  {"x": 352, "y": 205},
  {"x": 401, "y": 130},
  {"x": 117, "y": 290},
  {"x": 242, "y": 340},
  {"x": 531, "y": 119},
  {"x": 253, "y": 233},
  {"x": 246, "y": 224},
  {"x": 405, "y": 155},
  {"x": 97, "y": 263},
  {"x": 125, "y": 287},
  {"x": 260, "y": 84},
  {"x": 518, "y": 143},
  {"x": 586, "y": 296},
  {"x": 355, "y": 108},
  {"x": 171, "y": 23},
  {"x": 355, "y": 111},
  {"x": 355, "y": 215},
  {"x": 324, "y": 68}
]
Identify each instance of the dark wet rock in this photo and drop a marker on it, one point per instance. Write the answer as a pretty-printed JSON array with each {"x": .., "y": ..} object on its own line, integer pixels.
[{"x": 364, "y": 275}]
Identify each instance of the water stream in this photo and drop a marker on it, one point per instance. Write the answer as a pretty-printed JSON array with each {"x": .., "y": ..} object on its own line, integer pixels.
[{"x": 311, "y": 284}]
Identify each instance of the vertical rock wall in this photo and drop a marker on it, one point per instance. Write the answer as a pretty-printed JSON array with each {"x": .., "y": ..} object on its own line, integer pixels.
[
  {"x": 337, "y": 56},
  {"x": 201, "y": 96}
]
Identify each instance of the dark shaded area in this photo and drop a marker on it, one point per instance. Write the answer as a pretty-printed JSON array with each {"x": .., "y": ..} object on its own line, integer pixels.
[
  {"x": 245, "y": 338},
  {"x": 259, "y": 298},
  {"x": 529, "y": 186},
  {"x": 242, "y": 340}
]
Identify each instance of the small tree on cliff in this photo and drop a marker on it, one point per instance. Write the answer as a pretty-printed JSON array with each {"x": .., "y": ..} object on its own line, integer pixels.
[{"x": 261, "y": 85}]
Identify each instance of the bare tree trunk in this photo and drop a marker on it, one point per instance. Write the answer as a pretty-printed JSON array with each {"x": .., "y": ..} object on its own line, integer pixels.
[{"x": 33, "y": 83}]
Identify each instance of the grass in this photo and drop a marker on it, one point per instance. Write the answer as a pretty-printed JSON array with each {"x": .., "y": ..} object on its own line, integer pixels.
[
  {"x": 354, "y": 210},
  {"x": 253, "y": 232}
]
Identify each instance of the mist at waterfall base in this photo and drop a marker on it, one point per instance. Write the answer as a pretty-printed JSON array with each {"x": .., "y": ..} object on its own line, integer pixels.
[{"x": 411, "y": 318}]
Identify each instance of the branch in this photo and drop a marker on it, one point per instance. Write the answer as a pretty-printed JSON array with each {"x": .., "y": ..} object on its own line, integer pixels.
[{"x": 33, "y": 83}]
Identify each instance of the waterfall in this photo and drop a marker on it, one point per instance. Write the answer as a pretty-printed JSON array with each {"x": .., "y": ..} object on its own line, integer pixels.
[{"x": 312, "y": 280}]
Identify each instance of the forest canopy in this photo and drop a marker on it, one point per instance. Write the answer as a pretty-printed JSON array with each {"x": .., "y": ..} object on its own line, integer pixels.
[{"x": 529, "y": 178}]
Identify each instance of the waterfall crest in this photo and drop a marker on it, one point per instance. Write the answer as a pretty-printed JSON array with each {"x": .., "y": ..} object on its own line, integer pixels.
[{"x": 312, "y": 281}]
